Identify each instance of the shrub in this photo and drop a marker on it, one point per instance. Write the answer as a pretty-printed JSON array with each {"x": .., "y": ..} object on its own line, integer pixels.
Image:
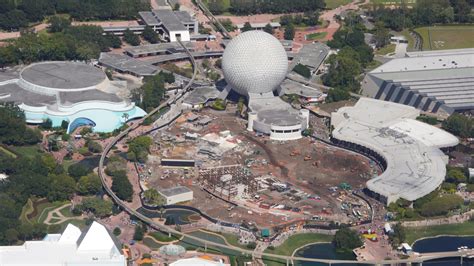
[{"x": 302, "y": 70}]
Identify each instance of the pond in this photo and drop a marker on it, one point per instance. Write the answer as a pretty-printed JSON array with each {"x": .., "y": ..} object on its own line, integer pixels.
[
  {"x": 323, "y": 251},
  {"x": 180, "y": 216},
  {"x": 444, "y": 243}
]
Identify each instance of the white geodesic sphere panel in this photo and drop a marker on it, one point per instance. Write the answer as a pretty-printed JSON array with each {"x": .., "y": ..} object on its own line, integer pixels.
[{"x": 254, "y": 62}]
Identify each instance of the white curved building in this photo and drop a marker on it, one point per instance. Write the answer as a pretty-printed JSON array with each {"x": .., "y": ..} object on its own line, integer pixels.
[
  {"x": 410, "y": 150},
  {"x": 254, "y": 65},
  {"x": 67, "y": 91}
]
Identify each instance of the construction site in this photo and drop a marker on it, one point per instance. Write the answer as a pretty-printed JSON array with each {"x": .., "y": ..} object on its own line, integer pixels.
[{"x": 239, "y": 177}]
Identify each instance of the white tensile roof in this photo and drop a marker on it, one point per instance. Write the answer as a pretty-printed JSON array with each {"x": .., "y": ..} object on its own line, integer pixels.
[
  {"x": 415, "y": 164},
  {"x": 93, "y": 247}
]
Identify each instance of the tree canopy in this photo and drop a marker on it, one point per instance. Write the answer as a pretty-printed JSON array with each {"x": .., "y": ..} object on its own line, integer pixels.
[
  {"x": 13, "y": 129},
  {"x": 17, "y": 14},
  {"x": 347, "y": 239}
]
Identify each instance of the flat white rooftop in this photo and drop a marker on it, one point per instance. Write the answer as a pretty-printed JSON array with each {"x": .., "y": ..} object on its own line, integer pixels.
[
  {"x": 428, "y": 62},
  {"x": 415, "y": 164}
]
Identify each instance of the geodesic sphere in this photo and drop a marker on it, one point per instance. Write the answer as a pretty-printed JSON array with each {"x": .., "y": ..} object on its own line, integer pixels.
[{"x": 254, "y": 62}]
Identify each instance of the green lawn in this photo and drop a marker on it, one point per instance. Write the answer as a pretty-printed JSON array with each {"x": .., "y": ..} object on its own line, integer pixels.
[
  {"x": 162, "y": 237},
  {"x": 316, "y": 36},
  {"x": 373, "y": 65},
  {"x": 414, "y": 233},
  {"x": 389, "y": 48},
  {"x": 7, "y": 152},
  {"x": 27, "y": 209},
  {"x": 44, "y": 209},
  {"x": 447, "y": 37},
  {"x": 411, "y": 41},
  {"x": 294, "y": 242},
  {"x": 331, "y": 4},
  {"x": 27, "y": 151},
  {"x": 151, "y": 243}
]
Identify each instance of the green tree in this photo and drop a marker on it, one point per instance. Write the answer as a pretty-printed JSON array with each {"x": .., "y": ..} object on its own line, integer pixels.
[
  {"x": 58, "y": 23},
  {"x": 399, "y": 235},
  {"x": 246, "y": 27},
  {"x": 131, "y": 38},
  {"x": 140, "y": 231},
  {"x": 455, "y": 175},
  {"x": 139, "y": 148},
  {"x": 117, "y": 231},
  {"x": 101, "y": 208},
  {"x": 302, "y": 70},
  {"x": 460, "y": 125},
  {"x": 382, "y": 35},
  {"x": 77, "y": 170},
  {"x": 11, "y": 235},
  {"x": 62, "y": 187},
  {"x": 336, "y": 94},
  {"x": 122, "y": 186},
  {"x": 289, "y": 33},
  {"x": 268, "y": 29},
  {"x": 150, "y": 35},
  {"x": 89, "y": 184},
  {"x": 176, "y": 7},
  {"x": 347, "y": 239},
  {"x": 152, "y": 197},
  {"x": 94, "y": 146}
]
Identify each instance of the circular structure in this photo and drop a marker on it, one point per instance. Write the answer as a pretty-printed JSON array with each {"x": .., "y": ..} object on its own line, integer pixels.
[
  {"x": 61, "y": 76},
  {"x": 254, "y": 62},
  {"x": 172, "y": 250}
]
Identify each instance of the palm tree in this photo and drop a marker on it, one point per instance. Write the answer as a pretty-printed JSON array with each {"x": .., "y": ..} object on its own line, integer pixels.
[{"x": 125, "y": 117}]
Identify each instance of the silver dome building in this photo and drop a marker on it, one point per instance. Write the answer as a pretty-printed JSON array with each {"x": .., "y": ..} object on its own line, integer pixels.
[
  {"x": 254, "y": 62},
  {"x": 254, "y": 65}
]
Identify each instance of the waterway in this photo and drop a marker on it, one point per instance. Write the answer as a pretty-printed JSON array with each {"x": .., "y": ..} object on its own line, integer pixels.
[
  {"x": 323, "y": 251},
  {"x": 444, "y": 243},
  {"x": 436, "y": 244}
]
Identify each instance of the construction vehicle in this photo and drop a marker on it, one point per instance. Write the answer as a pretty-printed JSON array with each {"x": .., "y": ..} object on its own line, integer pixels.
[
  {"x": 307, "y": 158},
  {"x": 315, "y": 163}
]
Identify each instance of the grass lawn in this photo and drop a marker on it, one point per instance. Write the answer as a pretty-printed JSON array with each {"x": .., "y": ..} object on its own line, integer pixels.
[
  {"x": 66, "y": 211},
  {"x": 389, "y": 48},
  {"x": 151, "y": 243},
  {"x": 44, "y": 209},
  {"x": 7, "y": 152},
  {"x": 162, "y": 237},
  {"x": 27, "y": 151},
  {"x": 27, "y": 209},
  {"x": 411, "y": 41},
  {"x": 447, "y": 37},
  {"x": 373, "y": 65},
  {"x": 294, "y": 242},
  {"x": 316, "y": 36},
  {"x": 233, "y": 240},
  {"x": 77, "y": 222},
  {"x": 331, "y": 4},
  {"x": 414, "y": 233}
]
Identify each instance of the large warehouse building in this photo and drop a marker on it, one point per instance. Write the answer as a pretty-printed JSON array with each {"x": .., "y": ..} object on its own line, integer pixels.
[
  {"x": 435, "y": 81},
  {"x": 254, "y": 65},
  {"x": 77, "y": 93},
  {"x": 409, "y": 150}
]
